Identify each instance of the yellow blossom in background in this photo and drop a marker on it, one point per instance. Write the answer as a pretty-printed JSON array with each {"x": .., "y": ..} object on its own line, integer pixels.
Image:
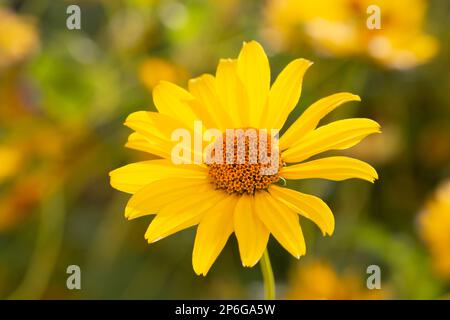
[
  {"x": 18, "y": 38},
  {"x": 10, "y": 159},
  {"x": 318, "y": 280},
  {"x": 339, "y": 28},
  {"x": 224, "y": 198},
  {"x": 155, "y": 69},
  {"x": 434, "y": 223}
]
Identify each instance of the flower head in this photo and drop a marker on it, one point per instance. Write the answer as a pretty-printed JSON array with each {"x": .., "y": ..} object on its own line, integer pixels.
[
  {"x": 434, "y": 224},
  {"x": 18, "y": 38},
  {"x": 240, "y": 191},
  {"x": 319, "y": 280},
  {"x": 340, "y": 28},
  {"x": 153, "y": 69}
]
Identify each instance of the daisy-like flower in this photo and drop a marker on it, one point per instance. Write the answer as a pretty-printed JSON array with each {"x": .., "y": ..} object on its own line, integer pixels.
[
  {"x": 434, "y": 223},
  {"x": 222, "y": 198},
  {"x": 18, "y": 38},
  {"x": 154, "y": 69},
  {"x": 319, "y": 280},
  {"x": 339, "y": 28}
]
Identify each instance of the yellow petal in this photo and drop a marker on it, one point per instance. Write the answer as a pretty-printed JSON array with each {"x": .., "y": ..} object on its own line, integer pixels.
[
  {"x": 310, "y": 118},
  {"x": 186, "y": 212},
  {"x": 311, "y": 207},
  {"x": 171, "y": 100},
  {"x": 158, "y": 194},
  {"x": 331, "y": 168},
  {"x": 137, "y": 141},
  {"x": 285, "y": 93},
  {"x": 254, "y": 71},
  {"x": 231, "y": 92},
  {"x": 207, "y": 103},
  {"x": 154, "y": 127},
  {"x": 213, "y": 232},
  {"x": 337, "y": 135},
  {"x": 282, "y": 222},
  {"x": 132, "y": 177},
  {"x": 158, "y": 129},
  {"x": 250, "y": 232}
]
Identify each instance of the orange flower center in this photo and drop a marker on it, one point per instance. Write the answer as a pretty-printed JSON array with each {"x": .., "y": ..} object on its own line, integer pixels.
[{"x": 245, "y": 164}]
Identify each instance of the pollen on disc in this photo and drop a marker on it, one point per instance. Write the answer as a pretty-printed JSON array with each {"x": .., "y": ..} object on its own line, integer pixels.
[{"x": 244, "y": 164}]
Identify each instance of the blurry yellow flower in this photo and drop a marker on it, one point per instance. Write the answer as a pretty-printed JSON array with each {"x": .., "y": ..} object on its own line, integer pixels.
[
  {"x": 18, "y": 38},
  {"x": 434, "y": 224},
  {"x": 338, "y": 27},
  {"x": 154, "y": 69},
  {"x": 225, "y": 198},
  {"x": 318, "y": 280},
  {"x": 10, "y": 162}
]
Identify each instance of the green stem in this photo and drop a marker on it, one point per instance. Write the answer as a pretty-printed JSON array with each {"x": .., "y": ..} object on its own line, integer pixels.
[
  {"x": 48, "y": 245},
  {"x": 269, "y": 280}
]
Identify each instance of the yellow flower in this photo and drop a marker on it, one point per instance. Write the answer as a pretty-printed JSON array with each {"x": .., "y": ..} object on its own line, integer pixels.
[
  {"x": 318, "y": 280},
  {"x": 339, "y": 27},
  {"x": 154, "y": 69},
  {"x": 11, "y": 159},
  {"x": 226, "y": 198},
  {"x": 434, "y": 224},
  {"x": 18, "y": 38}
]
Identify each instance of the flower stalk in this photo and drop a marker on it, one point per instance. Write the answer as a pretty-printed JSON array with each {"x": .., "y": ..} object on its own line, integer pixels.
[{"x": 268, "y": 278}]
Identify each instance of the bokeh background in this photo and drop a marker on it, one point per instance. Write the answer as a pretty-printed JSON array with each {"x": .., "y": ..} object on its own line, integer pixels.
[{"x": 64, "y": 95}]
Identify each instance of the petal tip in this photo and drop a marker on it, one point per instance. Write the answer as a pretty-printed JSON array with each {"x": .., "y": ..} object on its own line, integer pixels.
[
  {"x": 193, "y": 80},
  {"x": 307, "y": 62},
  {"x": 151, "y": 239},
  {"x": 198, "y": 272}
]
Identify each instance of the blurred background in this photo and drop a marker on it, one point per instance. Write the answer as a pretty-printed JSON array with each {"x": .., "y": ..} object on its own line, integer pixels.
[{"x": 64, "y": 95}]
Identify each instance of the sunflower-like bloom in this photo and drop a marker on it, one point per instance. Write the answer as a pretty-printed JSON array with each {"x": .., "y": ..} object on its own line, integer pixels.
[
  {"x": 339, "y": 28},
  {"x": 434, "y": 224},
  {"x": 18, "y": 38},
  {"x": 154, "y": 69},
  {"x": 319, "y": 280},
  {"x": 226, "y": 198}
]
